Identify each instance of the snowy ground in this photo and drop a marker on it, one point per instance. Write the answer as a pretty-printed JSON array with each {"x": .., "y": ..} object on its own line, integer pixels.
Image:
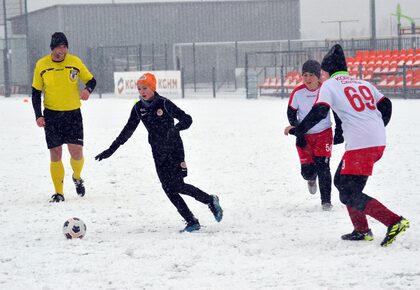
[{"x": 274, "y": 234}]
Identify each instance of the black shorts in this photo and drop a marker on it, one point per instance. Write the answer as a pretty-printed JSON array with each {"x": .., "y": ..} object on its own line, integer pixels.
[{"x": 63, "y": 127}]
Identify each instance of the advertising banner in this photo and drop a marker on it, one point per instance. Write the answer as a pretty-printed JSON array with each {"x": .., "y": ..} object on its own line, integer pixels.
[{"x": 168, "y": 83}]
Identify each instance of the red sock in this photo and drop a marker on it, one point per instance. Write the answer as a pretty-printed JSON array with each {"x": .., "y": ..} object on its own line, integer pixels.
[
  {"x": 358, "y": 219},
  {"x": 379, "y": 212}
]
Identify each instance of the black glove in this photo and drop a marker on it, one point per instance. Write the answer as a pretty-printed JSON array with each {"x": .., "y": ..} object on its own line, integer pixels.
[
  {"x": 107, "y": 153},
  {"x": 338, "y": 138},
  {"x": 300, "y": 141}
]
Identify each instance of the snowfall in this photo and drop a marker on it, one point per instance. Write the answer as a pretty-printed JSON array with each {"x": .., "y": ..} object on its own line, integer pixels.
[{"x": 274, "y": 234}]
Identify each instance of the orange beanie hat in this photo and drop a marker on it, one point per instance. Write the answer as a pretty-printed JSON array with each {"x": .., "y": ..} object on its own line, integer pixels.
[{"x": 148, "y": 80}]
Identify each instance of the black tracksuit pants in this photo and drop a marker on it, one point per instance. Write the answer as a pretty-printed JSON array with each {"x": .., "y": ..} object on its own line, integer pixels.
[{"x": 171, "y": 172}]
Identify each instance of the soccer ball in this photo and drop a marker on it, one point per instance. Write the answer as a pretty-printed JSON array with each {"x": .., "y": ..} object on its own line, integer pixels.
[{"x": 74, "y": 228}]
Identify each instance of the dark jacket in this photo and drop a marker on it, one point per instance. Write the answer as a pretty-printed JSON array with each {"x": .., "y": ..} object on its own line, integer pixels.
[{"x": 158, "y": 118}]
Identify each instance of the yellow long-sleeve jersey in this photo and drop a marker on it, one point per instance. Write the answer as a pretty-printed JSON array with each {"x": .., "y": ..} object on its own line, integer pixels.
[{"x": 60, "y": 81}]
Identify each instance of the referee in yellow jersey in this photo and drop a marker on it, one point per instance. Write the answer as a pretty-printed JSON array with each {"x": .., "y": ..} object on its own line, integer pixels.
[{"x": 57, "y": 75}]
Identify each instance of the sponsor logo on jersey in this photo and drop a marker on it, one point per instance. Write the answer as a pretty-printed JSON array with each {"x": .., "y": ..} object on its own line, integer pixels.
[
  {"x": 73, "y": 75},
  {"x": 159, "y": 112},
  {"x": 143, "y": 111}
]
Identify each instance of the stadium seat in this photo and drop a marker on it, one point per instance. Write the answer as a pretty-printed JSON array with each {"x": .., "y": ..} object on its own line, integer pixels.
[
  {"x": 368, "y": 74},
  {"x": 391, "y": 81},
  {"x": 269, "y": 83},
  {"x": 266, "y": 83},
  {"x": 417, "y": 59},
  {"x": 399, "y": 82},
  {"x": 393, "y": 68},
  {"x": 273, "y": 83},
  {"x": 292, "y": 84},
  {"x": 409, "y": 81},
  {"x": 382, "y": 83}
]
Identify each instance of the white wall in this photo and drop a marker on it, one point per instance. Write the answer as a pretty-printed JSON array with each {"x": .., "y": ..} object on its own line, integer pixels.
[{"x": 313, "y": 12}]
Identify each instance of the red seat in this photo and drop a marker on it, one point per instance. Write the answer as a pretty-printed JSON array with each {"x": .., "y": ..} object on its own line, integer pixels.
[
  {"x": 287, "y": 82},
  {"x": 386, "y": 60},
  {"x": 401, "y": 60},
  {"x": 356, "y": 61},
  {"x": 265, "y": 83},
  {"x": 416, "y": 60},
  {"x": 353, "y": 69},
  {"x": 371, "y": 60},
  {"x": 409, "y": 60},
  {"x": 382, "y": 83},
  {"x": 409, "y": 81},
  {"x": 269, "y": 83},
  {"x": 291, "y": 84},
  {"x": 378, "y": 69},
  {"x": 402, "y": 53},
  {"x": 359, "y": 54},
  {"x": 399, "y": 82},
  {"x": 387, "y": 53},
  {"x": 367, "y": 75},
  {"x": 391, "y": 82},
  {"x": 416, "y": 83},
  {"x": 384, "y": 69},
  {"x": 273, "y": 83},
  {"x": 290, "y": 73},
  {"x": 394, "y": 60},
  {"x": 410, "y": 73},
  {"x": 393, "y": 68}
]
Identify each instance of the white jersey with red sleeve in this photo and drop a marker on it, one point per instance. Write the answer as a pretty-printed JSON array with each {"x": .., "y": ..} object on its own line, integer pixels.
[
  {"x": 302, "y": 99},
  {"x": 355, "y": 102}
]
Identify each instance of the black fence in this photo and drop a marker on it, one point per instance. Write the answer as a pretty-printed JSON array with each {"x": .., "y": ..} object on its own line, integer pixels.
[
  {"x": 104, "y": 61},
  {"x": 205, "y": 66},
  {"x": 224, "y": 63}
]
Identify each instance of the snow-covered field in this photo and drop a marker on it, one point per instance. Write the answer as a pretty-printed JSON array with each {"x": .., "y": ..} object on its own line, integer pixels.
[{"x": 274, "y": 234}]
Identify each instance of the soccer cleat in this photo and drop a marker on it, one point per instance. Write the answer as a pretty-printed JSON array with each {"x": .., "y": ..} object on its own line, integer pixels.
[
  {"x": 80, "y": 187},
  {"x": 57, "y": 198},
  {"x": 358, "y": 236},
  {"x": 327, "y": 206},
  {"x": 312, "y": 186},
  {"x": 192, "y": 226},
  {"x": 216, "y": 209},
  {"x": 394, "y": 230}
]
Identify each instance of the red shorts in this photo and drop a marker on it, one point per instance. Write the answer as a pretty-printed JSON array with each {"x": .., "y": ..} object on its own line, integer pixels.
[
  {"x": 318, "y": 144},
  {"x": 361, "y": 161}
]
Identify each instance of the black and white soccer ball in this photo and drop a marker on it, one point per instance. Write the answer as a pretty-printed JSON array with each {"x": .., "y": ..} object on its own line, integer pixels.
[{"x": 74, "y": 228}]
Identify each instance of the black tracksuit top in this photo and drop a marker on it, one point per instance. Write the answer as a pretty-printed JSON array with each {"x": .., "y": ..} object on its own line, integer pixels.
[{"x": 158, "y": 118}]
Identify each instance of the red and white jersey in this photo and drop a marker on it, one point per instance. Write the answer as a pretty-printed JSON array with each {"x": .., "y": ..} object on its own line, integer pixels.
[
  {"x": 302, "y": 99},
  {"x": 355, "y": 102}
]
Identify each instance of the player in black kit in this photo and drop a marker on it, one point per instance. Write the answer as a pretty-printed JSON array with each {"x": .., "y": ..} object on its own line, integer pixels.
[{"x": 157, "y": 114}]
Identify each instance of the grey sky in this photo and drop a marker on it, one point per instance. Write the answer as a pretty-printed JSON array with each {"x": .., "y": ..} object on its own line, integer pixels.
[{"x": 313, "y": 13}]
